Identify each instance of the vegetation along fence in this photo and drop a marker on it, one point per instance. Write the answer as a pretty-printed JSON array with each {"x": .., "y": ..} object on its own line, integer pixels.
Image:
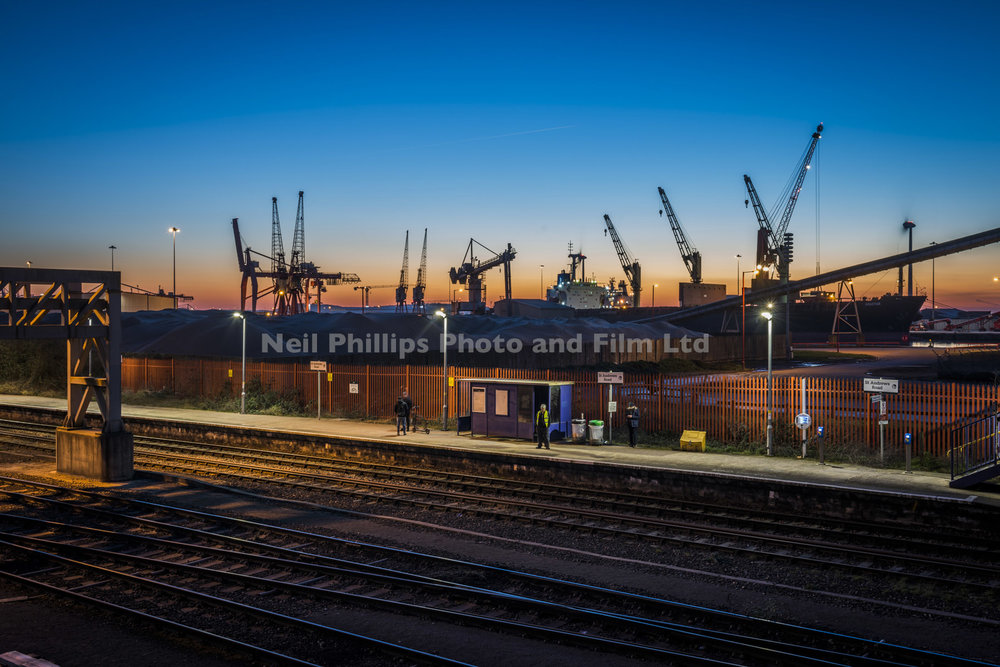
[{"x": 731, "y": 408}]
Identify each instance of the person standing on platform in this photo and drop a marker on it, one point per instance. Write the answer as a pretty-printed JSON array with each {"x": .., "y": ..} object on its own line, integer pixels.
[
  {"x": 542, "y": 427},
  {"x": 409, "y": 408},
  {"x": 402, "y": 410},
  {"x": 632, "y": 416}
]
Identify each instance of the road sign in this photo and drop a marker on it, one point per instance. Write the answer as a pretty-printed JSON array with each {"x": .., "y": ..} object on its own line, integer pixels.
[
  {"x": 352, "y": 388},
  {"x": 612, "y": 406},
  {"x": 610, "y": 377},
  {"x": 317, "y": 366},
  {"x": 803, "y": 420},
  {"x": 881, "y": 385}
]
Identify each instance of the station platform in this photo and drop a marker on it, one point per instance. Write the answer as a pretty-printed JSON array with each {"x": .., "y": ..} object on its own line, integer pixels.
[{"x": 808, "y": 471}]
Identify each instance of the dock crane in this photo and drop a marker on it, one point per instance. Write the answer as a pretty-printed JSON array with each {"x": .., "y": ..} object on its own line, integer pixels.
[
  {"x": 291, "y": 282},
  {"x": 365, "y": 289},
  {"x": 404, "y": 277},
  {"x": 691, "y": 257},
  {"x": 774, "y": 243},
  {"x": 631, "y": 267},
  {"x": 421, "y": 284},
  {"x": 471, "y": 271}
]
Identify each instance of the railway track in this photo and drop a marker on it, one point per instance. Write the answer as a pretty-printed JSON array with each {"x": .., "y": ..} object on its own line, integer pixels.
[
  {"x": 917, "y": 568},
  {"x": 232, "y": 581}
]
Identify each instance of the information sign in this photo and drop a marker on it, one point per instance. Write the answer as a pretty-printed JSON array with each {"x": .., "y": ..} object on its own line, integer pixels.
[
  {"x": 610, "y": 377},
  {"x": 881, "y": 385},
  {"x": 317, "y": 366}
]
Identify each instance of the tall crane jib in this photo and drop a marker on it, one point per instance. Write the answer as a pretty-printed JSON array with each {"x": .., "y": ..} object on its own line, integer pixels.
[
  {"x": 471, "y": 270},
  {"x": 404, "y": 277},
  {"x": 299, "y": 236},
  {"x": 633, "y": 272},
  {"x": 691, "y": 257},
  {"x": 421, "y": 284},
  {"x": 771, "y": 240}
]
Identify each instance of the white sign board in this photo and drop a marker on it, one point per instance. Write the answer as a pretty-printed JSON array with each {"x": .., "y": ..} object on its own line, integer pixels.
[
  {"x": 317, "y": 366},
  {"x": 803, "y": 420},
  {"x": 611, "y": 378},
  {"x": 881, "y": 385},
  {"x": 352, "y": 388},
  {"x": 612, "y": 406}
]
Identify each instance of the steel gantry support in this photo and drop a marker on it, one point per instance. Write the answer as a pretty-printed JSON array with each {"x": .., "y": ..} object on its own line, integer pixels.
[{"x": 84, "y": 308}]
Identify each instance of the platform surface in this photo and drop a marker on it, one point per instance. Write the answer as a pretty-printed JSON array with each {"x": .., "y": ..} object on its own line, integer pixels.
[{"x": 761, "y": 467}]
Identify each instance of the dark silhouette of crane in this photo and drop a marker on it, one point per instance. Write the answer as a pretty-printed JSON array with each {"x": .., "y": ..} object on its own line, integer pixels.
[
  {"x": 774, "y": 243},
  {"x": 291, "y": 284},
  {"x": 404, "y": 277},
  {"x": 691, "y": 257},
  {"x": 633, "y": 272},
  {"x": 421, "y": 284},
  {"x": 470, "y": 273},
  {"x": 365, "y": 289}
]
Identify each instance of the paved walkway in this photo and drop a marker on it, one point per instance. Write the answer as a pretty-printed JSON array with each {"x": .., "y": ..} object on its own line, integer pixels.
[{"x": 761, "y": 467}]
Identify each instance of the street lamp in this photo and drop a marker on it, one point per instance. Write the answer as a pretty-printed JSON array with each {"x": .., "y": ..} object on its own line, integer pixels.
[
  {"x": 738, "y": 270},
  {"x": 243, "y": 382},
  {"x": 174, "y": 230},
  {"x": 768, "y": 315},
  {"x": 655, "y": 285},
  {"x": 541, "y": 282},
  {"x": 112, "y": 248},
  {"x": 444, "y": 391}
]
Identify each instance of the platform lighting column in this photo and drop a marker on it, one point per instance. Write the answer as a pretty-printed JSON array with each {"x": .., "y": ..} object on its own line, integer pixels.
[
  {"x": 112, "y": 248},
  {"x": 541, "y": 281},
  {"x": 243, "y": 375},
  {"x": 738, "y": 270},
  {"x": 444, "y": 391},
  {"x": 655, "y": 285},
  {"x": 768, "y": 315},
  {"x": 174, "y": 230}
]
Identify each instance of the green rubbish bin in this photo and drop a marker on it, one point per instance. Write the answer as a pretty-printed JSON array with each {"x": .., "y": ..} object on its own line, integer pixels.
[{"x": 595, "y": 432}]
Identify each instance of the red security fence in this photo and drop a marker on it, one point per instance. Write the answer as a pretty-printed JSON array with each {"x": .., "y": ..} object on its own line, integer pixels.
[{"x": 730, "y": 408}]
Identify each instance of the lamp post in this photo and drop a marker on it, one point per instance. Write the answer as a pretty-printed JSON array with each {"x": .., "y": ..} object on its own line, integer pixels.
[
  {"x": 738, "y": 270},
  {"x": 541, "y": 282},
  {"x": 768, "y": 315},
  {"x": 908, "y": 227},
  {"x": 174, "y": 230},
  {"x": 243, "y": 375},
  {"x": 655, "y": 285},
  {"x": 444, "y": 391},
  {"x": 112, "y": 248}
]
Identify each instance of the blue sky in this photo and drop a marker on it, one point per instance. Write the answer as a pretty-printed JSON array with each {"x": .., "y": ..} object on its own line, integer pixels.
[{"x": 512, "y": 122}]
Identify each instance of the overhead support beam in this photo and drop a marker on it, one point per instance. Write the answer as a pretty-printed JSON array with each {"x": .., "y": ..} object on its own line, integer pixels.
[
  {"x": 84, "y": 309},
  {"x": 865, "y": 268}
]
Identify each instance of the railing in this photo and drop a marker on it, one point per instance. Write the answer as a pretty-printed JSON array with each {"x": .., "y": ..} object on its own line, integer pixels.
[{"x": 977, "y": 445}]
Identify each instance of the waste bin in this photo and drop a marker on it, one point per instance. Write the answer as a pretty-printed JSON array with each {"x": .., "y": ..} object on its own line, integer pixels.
[
  {"x": 579, "y": 430},
  {"x": 595, "y": 432}
]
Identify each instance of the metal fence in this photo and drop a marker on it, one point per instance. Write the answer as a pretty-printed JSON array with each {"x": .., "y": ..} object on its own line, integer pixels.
[{"x": 730, "y": 408}]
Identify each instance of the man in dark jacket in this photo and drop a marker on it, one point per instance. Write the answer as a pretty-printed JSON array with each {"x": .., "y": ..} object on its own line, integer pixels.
[
  {"x": 402, "y": 410},
  {"x": 632, "y": 417},
  {"x": 542, "y": 427},
  {"x": 409, "y": 408}
]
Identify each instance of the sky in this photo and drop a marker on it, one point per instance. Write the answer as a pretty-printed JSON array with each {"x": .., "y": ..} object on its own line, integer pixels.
[{"x": 513, "y": 122}]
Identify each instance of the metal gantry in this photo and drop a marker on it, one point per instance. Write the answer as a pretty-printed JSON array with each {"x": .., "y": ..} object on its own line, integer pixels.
[{"x": 83, "y": 308}]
